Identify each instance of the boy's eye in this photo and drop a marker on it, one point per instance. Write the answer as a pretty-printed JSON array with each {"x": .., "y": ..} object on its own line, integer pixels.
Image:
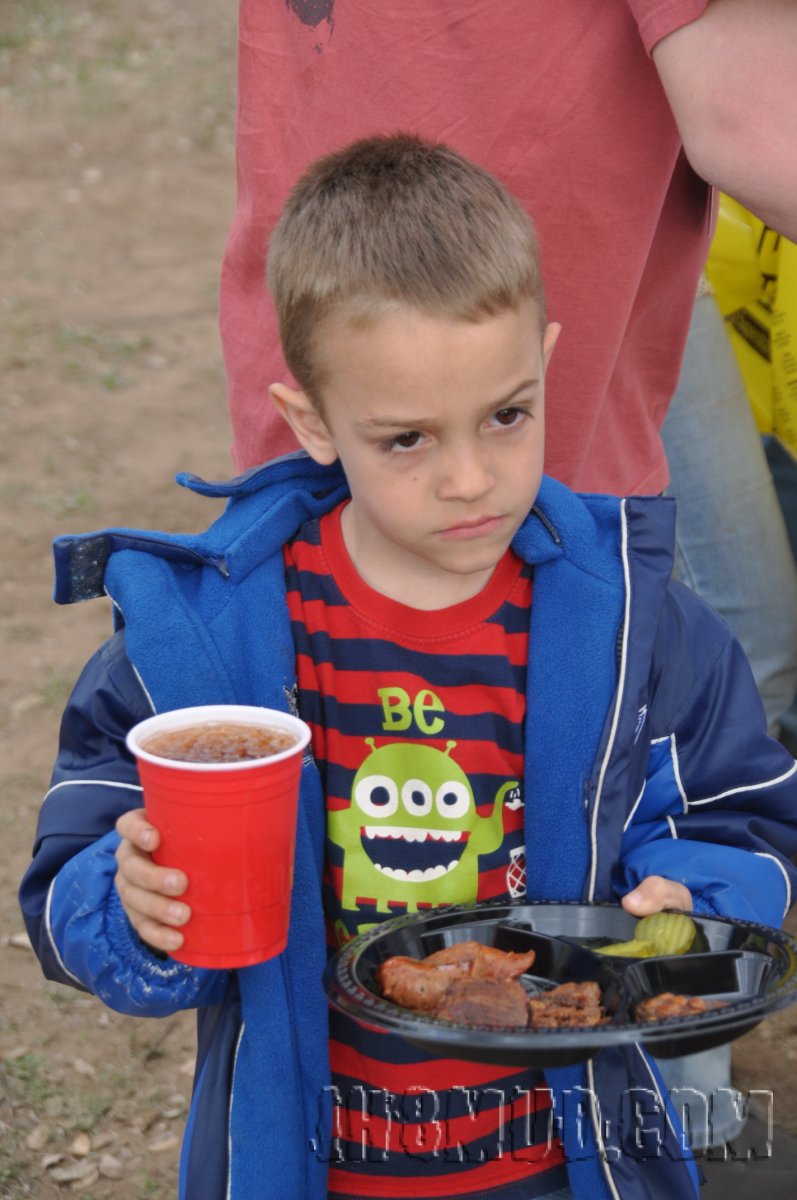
[
  {"x": 403, "y": 441},
  {"x": 509, "y": 416}
]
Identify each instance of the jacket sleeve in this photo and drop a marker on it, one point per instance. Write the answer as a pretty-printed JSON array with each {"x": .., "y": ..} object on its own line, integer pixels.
[
  {"x": 72, "y": 911},
  {"x": 718, "y": 810}
]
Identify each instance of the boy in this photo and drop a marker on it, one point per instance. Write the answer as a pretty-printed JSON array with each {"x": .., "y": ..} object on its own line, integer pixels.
[{"x": 438, "y": 596}]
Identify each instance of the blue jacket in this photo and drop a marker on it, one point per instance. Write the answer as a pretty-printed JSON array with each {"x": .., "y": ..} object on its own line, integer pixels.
[{"x": 646, "y": 753}]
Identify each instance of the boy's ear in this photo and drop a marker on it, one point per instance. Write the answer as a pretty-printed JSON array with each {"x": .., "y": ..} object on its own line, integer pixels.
[
  {"x": 549, "y": 340},
  {"x": 306, "y": 422}
]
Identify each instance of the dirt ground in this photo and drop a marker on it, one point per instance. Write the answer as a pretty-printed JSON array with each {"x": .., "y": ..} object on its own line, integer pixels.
[{"x": 117, "y": 164}]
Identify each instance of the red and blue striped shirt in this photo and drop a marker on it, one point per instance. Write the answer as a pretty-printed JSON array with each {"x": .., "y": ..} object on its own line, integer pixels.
[{"x": 417, "y": 721}]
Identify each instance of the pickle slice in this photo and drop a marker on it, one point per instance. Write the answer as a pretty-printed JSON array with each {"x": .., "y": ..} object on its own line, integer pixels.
[
  {"x": 633, "y": 949},
  {"x": 670, "y": 932},
  {"x": 660, "y": 933}
]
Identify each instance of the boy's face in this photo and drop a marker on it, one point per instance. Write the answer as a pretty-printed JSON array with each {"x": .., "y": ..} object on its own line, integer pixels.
[{"x": 439, "y": 426}]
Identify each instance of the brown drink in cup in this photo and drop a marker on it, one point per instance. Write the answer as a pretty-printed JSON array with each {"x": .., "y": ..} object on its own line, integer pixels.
[{"x": 221, "y": 786}]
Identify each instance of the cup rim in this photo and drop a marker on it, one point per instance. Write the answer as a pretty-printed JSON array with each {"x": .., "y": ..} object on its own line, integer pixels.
[{"x": 242, "y": 714}]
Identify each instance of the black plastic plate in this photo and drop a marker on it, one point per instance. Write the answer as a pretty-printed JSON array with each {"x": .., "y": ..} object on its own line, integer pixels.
[{"x": 751, "y": 968}]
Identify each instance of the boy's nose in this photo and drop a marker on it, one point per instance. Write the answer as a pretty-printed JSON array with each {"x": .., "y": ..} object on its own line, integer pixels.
[{"x": 466, "y": 475}]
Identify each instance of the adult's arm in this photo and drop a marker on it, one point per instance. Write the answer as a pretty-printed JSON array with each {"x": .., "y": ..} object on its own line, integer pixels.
[{"x": 731, "y": 79}]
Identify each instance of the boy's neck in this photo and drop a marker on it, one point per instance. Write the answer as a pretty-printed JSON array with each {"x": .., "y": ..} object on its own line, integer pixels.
[{"x": 425, "y": 588}]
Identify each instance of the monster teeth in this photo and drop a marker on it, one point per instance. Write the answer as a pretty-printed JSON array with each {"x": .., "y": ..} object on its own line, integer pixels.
[
  {"x": 416, "y": 876},
  {"x": 412, "y": 834}
]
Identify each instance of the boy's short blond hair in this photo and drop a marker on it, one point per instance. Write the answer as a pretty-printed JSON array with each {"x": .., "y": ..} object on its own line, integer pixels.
[{"x": 389, "y": 222}]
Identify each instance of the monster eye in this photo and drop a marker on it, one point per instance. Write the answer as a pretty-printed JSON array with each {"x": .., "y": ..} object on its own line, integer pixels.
[
  {"x": 452, "y": 799},
  {"x": 377, "y": 795},
  {"x": 417, "y": 797}
]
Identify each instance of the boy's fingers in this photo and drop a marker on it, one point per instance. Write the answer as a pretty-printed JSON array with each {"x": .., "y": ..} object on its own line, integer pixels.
[
  {"x": 656, "y": 893},
  {"x": 143, "y": 904},
  {"x": 139, "y": 870},
  {"x": 159, "y": 937},
  {"x": 136, "y": 828},
  {"x": 146, "y": 889}
]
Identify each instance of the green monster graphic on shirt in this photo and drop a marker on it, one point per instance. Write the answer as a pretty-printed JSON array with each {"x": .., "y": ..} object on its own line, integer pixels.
[{"x": 412, "y": 834}]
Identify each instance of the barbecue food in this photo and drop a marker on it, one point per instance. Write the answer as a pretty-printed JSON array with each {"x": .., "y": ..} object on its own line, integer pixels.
[
  {"x": 566, "y": 1005},
  {"x": 491, "y": 1002},
  {"x": 415, "y": 983},
  {"x": 420, "y": 984},
  {"x": 668, "y": 1004},
  {"x": 483, "y": 962},
  {"x": 474, "y": 984}
]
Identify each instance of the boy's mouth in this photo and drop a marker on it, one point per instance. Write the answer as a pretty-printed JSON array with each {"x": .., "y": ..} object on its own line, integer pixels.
[
  {"x": 472, "y": 529},
  {"x": 413, "y": 855}
]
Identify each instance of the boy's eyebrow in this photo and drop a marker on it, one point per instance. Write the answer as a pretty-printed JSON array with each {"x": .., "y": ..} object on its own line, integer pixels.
[{"x": 405, "y": 422}]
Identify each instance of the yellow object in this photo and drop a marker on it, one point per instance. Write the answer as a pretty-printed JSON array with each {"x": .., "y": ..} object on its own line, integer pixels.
[
  {"x": 753, "y": 272},
  {"x": 660, "y": 933},
  {"x": 634, "y": 949},
  {"x": 670, "y": 932}
]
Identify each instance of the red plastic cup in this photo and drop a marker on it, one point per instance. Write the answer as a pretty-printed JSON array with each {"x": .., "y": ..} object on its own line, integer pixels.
[{"x": 232, "y": 828}]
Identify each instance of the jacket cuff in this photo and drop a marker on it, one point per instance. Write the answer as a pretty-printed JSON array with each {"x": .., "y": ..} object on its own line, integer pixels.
[
  {"x": 724, "y": 881},
  {"x": 96, "y": 944}
]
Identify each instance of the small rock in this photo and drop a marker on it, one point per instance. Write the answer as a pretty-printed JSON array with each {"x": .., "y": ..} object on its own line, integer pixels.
[
  {"x": 81, "y": 1185},
  {"x": 110, "y": 1167},
  {"x": 101, "y": 1140},
  {"x": 25, "y": 704},
  {"x": 37, "y": 1138},
  {"x": 21, "y": 941},
  {"x": 161, "y": 1145},
  {"x": 176, "y": 1107},
  {"x": 82, "y": 1067},
  {"x": 72, "y": 1172},
  {"x": 80, "y": 1145},
  {"x": 51, "y": 1160},
  {"x": 188, "y": 1067},
  {"x": 144, "y": 1121}
]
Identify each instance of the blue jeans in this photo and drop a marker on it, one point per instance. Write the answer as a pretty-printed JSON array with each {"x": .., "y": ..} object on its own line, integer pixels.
[
  {"x": 732, "y": 546},
  {"x": 712, "y": 1112}
]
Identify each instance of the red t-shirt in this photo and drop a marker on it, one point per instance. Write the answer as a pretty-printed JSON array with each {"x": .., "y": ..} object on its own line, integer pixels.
[
  {"x": 418, "y": 722},
  {"x": 563, "y": 103}
]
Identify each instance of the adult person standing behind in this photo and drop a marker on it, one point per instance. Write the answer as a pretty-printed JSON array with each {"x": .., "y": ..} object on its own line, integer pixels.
[{"x": 591, "y": 113}]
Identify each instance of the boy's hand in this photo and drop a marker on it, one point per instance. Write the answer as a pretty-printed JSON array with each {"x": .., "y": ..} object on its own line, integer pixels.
[
  {"x": 147, "y": 890},
  {"x": 654, "y": 894}
]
